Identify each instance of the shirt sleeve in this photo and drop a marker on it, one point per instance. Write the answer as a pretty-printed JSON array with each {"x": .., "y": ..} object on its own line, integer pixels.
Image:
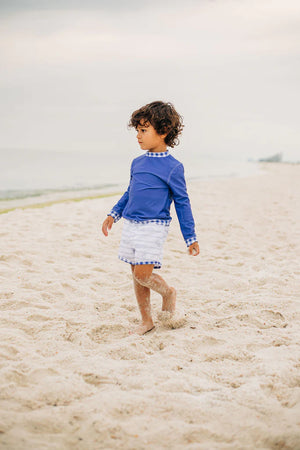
[
  {"x": 182, "y": 204},
  {"x": 117, "y": 210}
]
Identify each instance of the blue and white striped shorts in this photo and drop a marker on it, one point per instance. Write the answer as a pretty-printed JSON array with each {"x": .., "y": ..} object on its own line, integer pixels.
[{"x": 142, "y": 242}]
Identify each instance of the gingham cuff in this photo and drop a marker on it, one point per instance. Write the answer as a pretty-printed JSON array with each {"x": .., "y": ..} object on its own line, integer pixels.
[
  {"x": 190, "y": 241},
  {"x": 115, "y": 215}
]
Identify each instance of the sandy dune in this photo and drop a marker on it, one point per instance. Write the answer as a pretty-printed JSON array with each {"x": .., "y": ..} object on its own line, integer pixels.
[{"x": 223, "y": 374}]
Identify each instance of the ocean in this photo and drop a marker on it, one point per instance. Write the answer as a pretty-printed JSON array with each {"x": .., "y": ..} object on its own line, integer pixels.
[{"x": 34, "y": 173}]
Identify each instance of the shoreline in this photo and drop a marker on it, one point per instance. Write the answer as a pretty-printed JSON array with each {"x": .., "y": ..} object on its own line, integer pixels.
[
  {"x": 69, "y": 195},
  {"x": 73, "y": 377},
  {"x": 45, "y": 204}
]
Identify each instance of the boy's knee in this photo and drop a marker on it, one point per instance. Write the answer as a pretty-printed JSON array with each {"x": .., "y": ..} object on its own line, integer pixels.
[{"x": 142, "y": 275}]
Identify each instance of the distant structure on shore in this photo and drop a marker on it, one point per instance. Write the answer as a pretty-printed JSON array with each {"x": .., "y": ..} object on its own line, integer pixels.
[{"x": 275, "y": 158}]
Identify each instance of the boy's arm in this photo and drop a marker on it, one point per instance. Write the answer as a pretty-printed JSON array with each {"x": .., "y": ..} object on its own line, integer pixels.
[
  {"x": 116, "y": 212},
  {"x": 183, "y": 208},
  {"x": 119, "y": 207},
  {"x": 107, "y": 224}
]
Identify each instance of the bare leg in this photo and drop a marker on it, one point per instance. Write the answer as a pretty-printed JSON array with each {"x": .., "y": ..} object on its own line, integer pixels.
[
  {"x": 144, "y": 276},
  {"x": 142, "y": 294}
]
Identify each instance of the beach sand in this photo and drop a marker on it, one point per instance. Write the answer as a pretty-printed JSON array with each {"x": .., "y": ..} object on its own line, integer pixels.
[{"x": 224, "y": 373}]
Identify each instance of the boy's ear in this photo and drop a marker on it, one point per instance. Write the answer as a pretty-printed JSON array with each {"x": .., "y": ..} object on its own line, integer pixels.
[{"x": 165, "y": 134}]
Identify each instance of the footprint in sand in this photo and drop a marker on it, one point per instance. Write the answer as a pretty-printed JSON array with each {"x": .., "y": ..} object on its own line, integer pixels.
[
  {"x": 104, "y": 332},
  {"x": 9, "y": 352},
  {"x": 44, "y": 424},
  {"x": 222, "y": 356},
  {"x": 81, "y": 276},
  {"x": 129, "y": 307},
  {"x": 69, "y": 287},
  {"x": 203, "y": 343},
  {"x": 17, "y": 377},
  {"x": 96, "y": 380},
  {"x": 265, "y": 319},
  {"x": 103, "y": 306},
  {"x": 7, "y": 295},
  {"x": 127, "y": 353},
  {"x": 283, "y": 391},
  {"x": 38, "y": 318}
]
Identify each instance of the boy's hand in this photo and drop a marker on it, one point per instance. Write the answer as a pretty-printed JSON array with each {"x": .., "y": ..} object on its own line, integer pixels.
[
  {"x": 107, "y": 224},
  {"x": 194, "y": 249}
]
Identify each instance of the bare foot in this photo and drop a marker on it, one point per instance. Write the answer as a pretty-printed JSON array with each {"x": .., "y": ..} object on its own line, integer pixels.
[
  {"x": 169, "y": 301},
  {"x": 143, "y": 328}
]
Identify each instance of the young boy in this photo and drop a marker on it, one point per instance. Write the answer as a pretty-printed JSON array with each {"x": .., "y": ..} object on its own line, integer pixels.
[{"x": 157, "y": 179}]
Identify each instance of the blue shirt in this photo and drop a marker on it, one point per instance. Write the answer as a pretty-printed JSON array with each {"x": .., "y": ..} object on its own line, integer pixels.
[{"x": 156, "y": 180}]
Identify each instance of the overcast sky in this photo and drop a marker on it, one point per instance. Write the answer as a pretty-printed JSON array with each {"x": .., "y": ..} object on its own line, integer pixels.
[{"x": 73, "y": 71}]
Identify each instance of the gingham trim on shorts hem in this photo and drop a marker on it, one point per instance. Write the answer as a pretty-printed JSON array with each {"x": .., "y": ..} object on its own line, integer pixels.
[{"x": 157, "y": 264}]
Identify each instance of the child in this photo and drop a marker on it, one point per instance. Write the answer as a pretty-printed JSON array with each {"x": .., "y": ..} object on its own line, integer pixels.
[{"x": 156, "y": 180}]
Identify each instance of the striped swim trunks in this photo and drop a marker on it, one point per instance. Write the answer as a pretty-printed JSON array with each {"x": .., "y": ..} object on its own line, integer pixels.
[{"x": 142, "y": 242}]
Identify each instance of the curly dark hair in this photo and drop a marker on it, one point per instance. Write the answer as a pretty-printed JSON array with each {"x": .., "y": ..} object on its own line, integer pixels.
[{"x": 164, "y": 119}]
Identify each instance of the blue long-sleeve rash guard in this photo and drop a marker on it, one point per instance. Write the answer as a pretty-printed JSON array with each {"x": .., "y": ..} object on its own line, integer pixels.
[{"x": 156, "y": 179}]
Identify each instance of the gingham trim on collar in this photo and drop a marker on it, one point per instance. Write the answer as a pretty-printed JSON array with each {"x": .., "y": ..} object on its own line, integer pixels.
[{"x": 158, "y": 154}]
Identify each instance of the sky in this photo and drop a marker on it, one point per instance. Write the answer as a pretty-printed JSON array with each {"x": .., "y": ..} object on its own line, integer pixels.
[{"x": 72, "y": 72}]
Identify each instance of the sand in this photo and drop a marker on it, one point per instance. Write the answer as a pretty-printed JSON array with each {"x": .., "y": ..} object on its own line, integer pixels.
[{"x": 224, "y": 373}]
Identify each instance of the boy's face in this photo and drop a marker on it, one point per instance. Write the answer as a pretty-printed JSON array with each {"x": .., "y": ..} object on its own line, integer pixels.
[{"x": 149, "y": 139}]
